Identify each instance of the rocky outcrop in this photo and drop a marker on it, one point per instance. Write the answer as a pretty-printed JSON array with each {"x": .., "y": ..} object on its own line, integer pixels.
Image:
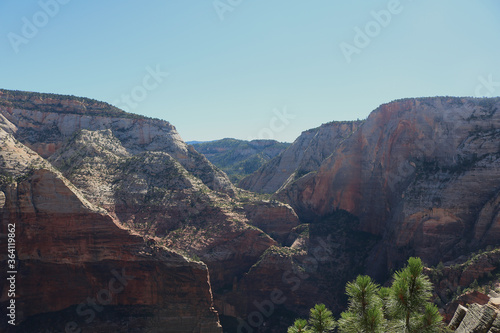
[
  {"x": 44, "y": 122},
  {"x": 77, "y": 268},
  {"x": 423, "y": 173},
  {"x": 239, "y": 158},
  {"x": 464, "y": 281},
  {"x": 477, "y": 319},
  {"x": 305, "y": 155},
  {"x": 458, "y": 317},
  {"x": 463, "y": 271},
  {"x": 449, "y": 312},
  {"x": 153, "y": 194},
  {"x": 272, "y": 217},
  {"x": 70, "y": 251}
]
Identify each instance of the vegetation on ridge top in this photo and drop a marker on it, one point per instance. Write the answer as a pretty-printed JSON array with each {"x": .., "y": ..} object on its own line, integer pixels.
[{"x": 26, "y": 100}]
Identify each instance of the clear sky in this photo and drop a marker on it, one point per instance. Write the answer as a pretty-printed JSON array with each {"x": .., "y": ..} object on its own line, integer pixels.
[{"x": 251, "y": 68}]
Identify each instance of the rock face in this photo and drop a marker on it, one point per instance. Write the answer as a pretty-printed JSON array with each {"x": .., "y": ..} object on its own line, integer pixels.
[
  {"x": 476, "y": 319},
  {"x": 418, "y": 177},
  {"x": 71, "y": 251},
  {"x": 239, "y": 158},
  {"x": 305, "y": 155},
  {"x": 72, "y": 254},
  {"x": 422, "y": 173},
  {"x": 462, "y": 275},
  {"x": 274, "y": 218},
  {"x": 143, "y": 177},
  {"x": 153, "y": 194},
  {"x": 43, "y": 122},
  {"x": 475, "y": 272},
  {"x": 287, "y": 281}
]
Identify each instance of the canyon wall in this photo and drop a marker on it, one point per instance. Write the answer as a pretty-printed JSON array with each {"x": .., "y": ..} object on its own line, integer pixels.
[
  {"x": 142, "y": 175},
  {"x": 305, "y": 155},
  {"x": 424, "y": 174},
  {"x": 77, "y": 268},
  {"x": 418, "y": 177}
]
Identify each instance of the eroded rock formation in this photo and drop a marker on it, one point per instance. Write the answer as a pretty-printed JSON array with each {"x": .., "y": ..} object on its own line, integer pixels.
[
  {"x": 77, "y": 268},
  {"x": 144, "y": 178},
  {"x": 422, "y": 173},
  {"x": 305, "y": 155},
  {"x": 477, "y": 318},
  {"x": 418, "y": 177}
]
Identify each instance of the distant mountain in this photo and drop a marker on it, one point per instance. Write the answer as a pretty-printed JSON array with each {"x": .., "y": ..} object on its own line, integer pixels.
[
  {"x": 239, "y": 158},
  {"x": 303, "y": 156},
  {"x": 195, "y": 142}
]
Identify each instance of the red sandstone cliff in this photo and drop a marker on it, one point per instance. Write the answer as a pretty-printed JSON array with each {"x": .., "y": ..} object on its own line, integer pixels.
[
  {"x": 422, "y": 173},
  {"x": 71, "y": 254},
  {"x": 419, "y": 177},
  {"x": 147, "y": 179}
]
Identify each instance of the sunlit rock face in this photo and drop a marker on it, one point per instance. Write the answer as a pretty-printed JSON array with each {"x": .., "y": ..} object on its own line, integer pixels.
[
  {"x": 77, "y": 268},
  {"x": 422, "y": 173},
  {"x": 305, "y": 155}
]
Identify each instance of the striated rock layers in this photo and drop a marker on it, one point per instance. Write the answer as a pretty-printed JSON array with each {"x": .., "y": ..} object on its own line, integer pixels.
[
  {"x": 44, "y": 121},
  {"x": 424, "y": 174},
  {"x": 418, "y": 177},
  {"x": 77, "y": 269},
  {"x": 477, "y": 318},
  {"x": 141, "y": 175},
  {"x": 451, "y": 279}
]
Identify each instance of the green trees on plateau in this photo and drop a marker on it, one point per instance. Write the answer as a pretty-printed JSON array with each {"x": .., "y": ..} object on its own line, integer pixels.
[{"x": 405, "y": 307}]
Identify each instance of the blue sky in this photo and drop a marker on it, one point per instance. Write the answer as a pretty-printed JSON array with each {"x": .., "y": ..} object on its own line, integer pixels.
[{"x": 251, "y": 68}]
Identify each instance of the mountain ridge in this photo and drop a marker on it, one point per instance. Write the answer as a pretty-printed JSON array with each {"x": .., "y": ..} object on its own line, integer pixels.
[
  {"x": 148, "y": 181},
  {"x": 238, "y": 158},
  {"x": 417, "y": 177}
]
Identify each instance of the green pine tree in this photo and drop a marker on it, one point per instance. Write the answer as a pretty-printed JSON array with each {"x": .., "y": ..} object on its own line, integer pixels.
[
  {"x": 405, "y": 307},
  {"x": 299, "y": 326},
  {"x": 321, "y": 319},
  {"x": 431, "y": 321},
  {"x": 409, "y": 301},
  {"x": 365, "y": 312}
]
